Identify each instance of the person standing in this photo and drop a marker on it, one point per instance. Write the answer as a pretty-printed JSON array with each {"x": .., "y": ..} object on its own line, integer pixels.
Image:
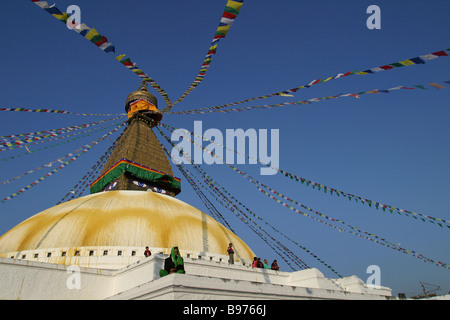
[
  {"x": 147, "y": 252},
  {"x": 230, "y": 254}
]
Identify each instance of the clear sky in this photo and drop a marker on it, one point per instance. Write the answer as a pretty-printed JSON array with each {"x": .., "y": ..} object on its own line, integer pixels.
[{"x": 392, "y": 148}]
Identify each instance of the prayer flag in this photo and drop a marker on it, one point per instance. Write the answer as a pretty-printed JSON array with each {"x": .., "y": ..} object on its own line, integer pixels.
[
  {"x": 396, "y": 64},
  {"x": 428, "y": 57},
  {"x": 417, "y": 60},
  {"x": 407, "y": 62},
  {"x": 441, "y": 53},
  {"x": 437, "y": 86},
  {"x": 236, "y": 5},
  {"x": 91, "y": 34}
]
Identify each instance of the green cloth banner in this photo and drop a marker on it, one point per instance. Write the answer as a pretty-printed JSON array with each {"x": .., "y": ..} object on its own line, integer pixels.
[{"x": 139, "y": 171}]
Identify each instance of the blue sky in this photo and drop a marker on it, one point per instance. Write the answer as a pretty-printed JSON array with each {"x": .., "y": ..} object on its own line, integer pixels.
[{"x": 392, "y": 148}]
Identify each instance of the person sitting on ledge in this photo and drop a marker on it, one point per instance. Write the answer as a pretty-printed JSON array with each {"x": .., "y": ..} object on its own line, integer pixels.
[
  {"x": 173, "y": 264},
  {"x": 275, "y": 265}
]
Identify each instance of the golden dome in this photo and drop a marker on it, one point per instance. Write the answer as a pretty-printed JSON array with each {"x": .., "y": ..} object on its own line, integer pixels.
[{"x": 122, "y": 219}]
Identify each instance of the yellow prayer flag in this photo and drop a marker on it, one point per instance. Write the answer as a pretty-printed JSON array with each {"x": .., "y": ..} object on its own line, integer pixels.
[
  {"x": 223, "y": 29},
  {"x": 437, "y": 86},
  {"x": 407, "y": 62},
  {"x": 234, "y": 4},
  {"x": 91, "y": 34}
]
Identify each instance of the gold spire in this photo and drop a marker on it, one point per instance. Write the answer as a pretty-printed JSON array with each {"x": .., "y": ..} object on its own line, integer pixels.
[
  {"x": 138, "y": 161},
  {"x": 143, "y": 102}
]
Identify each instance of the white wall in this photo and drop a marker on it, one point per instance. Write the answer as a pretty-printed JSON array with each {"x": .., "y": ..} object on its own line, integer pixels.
[{"x": 22, "y": 279}]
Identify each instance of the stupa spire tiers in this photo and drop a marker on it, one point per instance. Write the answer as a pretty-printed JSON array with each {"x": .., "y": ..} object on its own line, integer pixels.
[
  {"x": 138, "y": 161},
  {"x": 143, "y": 102}
]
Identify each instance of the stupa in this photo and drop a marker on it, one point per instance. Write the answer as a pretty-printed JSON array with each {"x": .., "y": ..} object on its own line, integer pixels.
[
  {"x": 131, "y": 206},
  {"x": 93, "y": 247}
]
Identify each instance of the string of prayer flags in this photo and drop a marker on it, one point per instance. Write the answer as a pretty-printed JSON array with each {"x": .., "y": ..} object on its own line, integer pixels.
[
  {"x": 228, "y": 204},
  {"x": 36, "y": 182},
  {"x": 61, "y": 112},
  {"x": 84, "y": 183},
  {"x": 136, "y": 70},
  {"x": 86, "y": 180},
  {"x": 288, "y": 93},
  {"x": 196, "y": 186},
  {"x": 209, "y": 180},
  {"x": 229, "y": 15},
  {"x": 418, "y": 216},
  {"x": 20, "y": 143},
  {"x": 61, "y": 140},
  {"x": 48, "y": 165},
  {"x": 60, "y": 159},
  {"x": 383, "y": 243},
  {"x": 89, "y": 33},
  {"x": 217, "y": 188},
  {"x": 305, "y": 102},
  {"x": 277, "y": 246},
  {"x": 51, "y": 132},
  {"x": 102, "y": 43},
  {"x": 354, "y": 230},
  {"x": 63, "y": 165}
]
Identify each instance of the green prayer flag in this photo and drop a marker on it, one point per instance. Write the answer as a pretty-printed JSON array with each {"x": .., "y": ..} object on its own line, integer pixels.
[
  {"x": 397, "y": 64},
  {"x": 231, "y": 10}
]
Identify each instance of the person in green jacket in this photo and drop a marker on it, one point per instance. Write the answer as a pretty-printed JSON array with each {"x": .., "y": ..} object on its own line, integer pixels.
[{"x": 173, "y": 264}]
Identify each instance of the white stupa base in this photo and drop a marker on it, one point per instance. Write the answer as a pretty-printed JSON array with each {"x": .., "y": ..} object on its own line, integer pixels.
[{"x": 204, "y": 279}]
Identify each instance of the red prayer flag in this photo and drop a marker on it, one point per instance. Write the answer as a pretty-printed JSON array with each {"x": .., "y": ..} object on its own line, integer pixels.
[
  {"x": 440, "y": 53},
  {"x": 99, "y": 43},
  {"x": 229, "y": 15}
]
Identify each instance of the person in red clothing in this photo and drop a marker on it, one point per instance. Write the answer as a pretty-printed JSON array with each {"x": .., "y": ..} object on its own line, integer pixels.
[
  {"x": 147, "y": 252},
  {"x": 230, "y": 253},
  {"x": 259, "y": 263},
  {"x": 275, "y": 265},
  {"x": 255, "y": 262}
]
